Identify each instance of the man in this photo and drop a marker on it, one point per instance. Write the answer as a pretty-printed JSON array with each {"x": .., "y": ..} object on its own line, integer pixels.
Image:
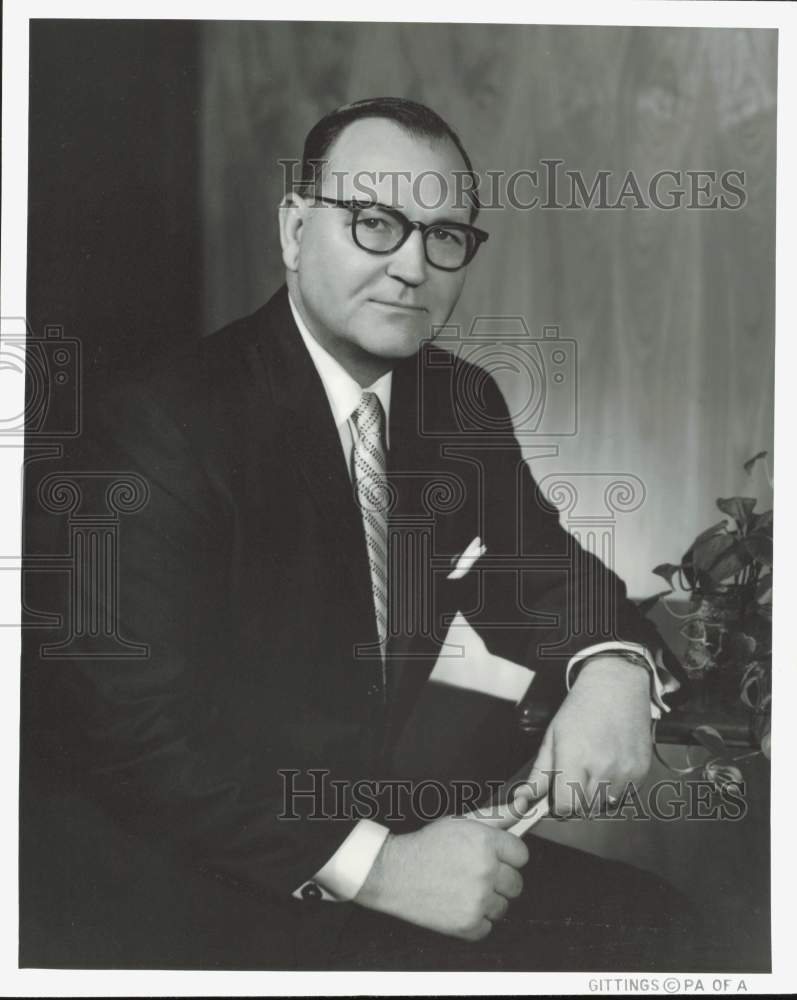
[{"x": 288, "y": 461}]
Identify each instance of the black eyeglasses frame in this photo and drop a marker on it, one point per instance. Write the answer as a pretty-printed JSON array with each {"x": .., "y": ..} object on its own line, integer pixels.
[{"x": 476, "y": 236}]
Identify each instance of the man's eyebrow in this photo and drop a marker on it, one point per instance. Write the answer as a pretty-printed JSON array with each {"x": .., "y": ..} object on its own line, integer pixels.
[{"x": 372, "y": 203}]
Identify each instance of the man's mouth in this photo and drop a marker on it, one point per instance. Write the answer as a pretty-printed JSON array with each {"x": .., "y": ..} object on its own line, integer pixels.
[{"x": 399, "y": 305}]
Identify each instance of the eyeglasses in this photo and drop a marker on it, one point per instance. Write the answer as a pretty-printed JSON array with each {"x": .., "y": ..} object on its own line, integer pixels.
[{"x": 378, "y": 229}]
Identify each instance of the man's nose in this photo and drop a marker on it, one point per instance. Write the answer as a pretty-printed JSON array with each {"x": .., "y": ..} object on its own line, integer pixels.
[{"x": 408, "y": 263}]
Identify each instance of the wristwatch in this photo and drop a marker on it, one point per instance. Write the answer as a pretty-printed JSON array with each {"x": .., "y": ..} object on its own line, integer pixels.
[{"x": 639, "y": 659}]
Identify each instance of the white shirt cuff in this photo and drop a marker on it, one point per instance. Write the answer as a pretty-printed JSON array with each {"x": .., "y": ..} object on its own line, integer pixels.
[
  {"x": 342, "y": 877},
  {"x": 662, "y": 681}
]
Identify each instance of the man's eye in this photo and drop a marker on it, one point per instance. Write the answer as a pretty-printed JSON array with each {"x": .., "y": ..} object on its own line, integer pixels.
[
  {"x": 447, "y": 236},
  {"x": 372, "y": 222}
]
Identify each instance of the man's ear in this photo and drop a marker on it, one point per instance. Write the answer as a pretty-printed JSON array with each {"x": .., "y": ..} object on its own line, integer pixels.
[{"x": 292, "y": 211}]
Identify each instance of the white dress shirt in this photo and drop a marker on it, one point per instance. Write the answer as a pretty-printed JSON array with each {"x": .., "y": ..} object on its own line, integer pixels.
[{"x": 342, "y": 877}]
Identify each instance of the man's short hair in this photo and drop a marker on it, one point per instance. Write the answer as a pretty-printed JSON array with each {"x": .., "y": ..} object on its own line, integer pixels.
[{"x": 412, "y": 116}]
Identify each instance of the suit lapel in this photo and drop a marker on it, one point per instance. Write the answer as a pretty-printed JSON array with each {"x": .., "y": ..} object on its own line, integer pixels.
[{"x": 312, "y": 442}]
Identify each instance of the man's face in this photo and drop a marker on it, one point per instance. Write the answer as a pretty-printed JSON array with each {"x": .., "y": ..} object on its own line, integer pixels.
[{"x": 369, "y": 310}]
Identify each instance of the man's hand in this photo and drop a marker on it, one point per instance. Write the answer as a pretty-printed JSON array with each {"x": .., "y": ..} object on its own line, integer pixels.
[
  {"x": 456, "y": 875},
  {"x": 598, "y": 741}
]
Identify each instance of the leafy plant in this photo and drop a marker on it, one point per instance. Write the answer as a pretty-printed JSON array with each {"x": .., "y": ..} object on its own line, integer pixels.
[
  {"x": 727, "y": 574},
  {"x": 719, "y": 768},
  {"x": 733, "y": 556}
]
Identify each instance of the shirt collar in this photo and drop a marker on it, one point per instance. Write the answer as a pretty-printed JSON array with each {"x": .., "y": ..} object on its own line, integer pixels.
[{"x": 343, "y": 392}]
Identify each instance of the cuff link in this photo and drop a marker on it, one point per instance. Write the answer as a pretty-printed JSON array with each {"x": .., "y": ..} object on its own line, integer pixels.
[{"x": 311, "y": 891}]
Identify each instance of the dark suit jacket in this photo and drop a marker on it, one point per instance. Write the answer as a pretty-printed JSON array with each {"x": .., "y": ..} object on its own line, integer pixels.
[{"x": 245, "y": 574}]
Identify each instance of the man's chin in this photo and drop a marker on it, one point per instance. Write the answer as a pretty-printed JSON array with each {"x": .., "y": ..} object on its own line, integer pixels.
[
  {"x": 396, "y": 343},
  {"x": 397, "y": 349}
]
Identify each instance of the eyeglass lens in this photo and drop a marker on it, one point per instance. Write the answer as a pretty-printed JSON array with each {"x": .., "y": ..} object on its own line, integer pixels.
[{"x": 381, "y": 232}]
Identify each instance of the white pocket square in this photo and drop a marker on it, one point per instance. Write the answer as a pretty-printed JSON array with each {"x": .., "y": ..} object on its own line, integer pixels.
[{"x": 473, "y": 552}]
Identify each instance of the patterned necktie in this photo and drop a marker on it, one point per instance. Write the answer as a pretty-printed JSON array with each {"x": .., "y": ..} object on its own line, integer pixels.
[{"x": 368, "y": 460}]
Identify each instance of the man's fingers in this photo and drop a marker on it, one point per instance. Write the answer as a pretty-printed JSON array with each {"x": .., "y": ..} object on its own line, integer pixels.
[
  {"x": 481, "y": 931},
  {"x": 508, "y": 881},
  {"x": 537, "y": 787},
  {"x": 564, "y": 782},
  {"x": 512, "y": 851},
  {"x": 496, "y": 908},
  {"x": 604, "y": 795},
  {"x": 570, "y": 792},
  {"x": 498, "y": 815},
  {"x": 521, "y": 800}
]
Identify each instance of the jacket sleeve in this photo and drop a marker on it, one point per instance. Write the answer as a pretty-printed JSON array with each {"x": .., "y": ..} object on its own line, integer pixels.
[{"x": 540, "y": 597}]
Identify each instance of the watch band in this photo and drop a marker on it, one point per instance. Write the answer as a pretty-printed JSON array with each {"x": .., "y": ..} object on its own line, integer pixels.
[{"x": 631, "y": 657}]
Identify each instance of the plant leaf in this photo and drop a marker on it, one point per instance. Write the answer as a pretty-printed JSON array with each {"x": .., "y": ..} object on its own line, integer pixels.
[
  {"x": 703, "y": 583},
  {"x": 718, "y": 556},
  {"x": 766, "y": 741},
  {"x": 764, "y": 611},
  {"x": 759, "y": 548},
  {"x": 748, "y": 465},
  {"x": 740, "y": 646},
  {"x": 763, "y": 588},
  {"x": 761, "y": 524},
  {"x": 720, "y": 526},
  {"x": 666, "y": 571},
  {"x": 726, "y": 778},
  {"x": 762, "y": 547},
  {"x": 730, "y": 561},
  {"x": 692, "y": 560},
  {"x": 708, "y": 737},
  {"x": 739, "y": 508}
]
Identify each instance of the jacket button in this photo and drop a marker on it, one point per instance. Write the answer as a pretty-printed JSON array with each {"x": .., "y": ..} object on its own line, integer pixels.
[{"x": 311, "y": 891}]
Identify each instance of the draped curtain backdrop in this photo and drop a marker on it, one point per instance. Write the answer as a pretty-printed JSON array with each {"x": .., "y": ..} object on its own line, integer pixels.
[{"x": 672, "y": 312}]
